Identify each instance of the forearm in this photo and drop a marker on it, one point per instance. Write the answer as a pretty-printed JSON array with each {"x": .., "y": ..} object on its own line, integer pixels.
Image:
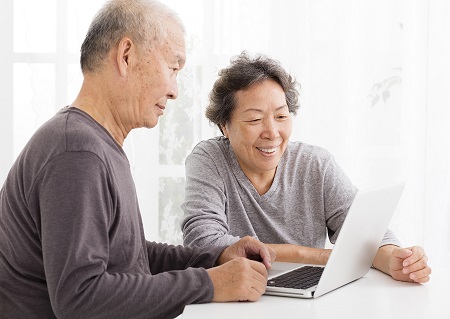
[
  {"x": 301, "y": 254},
  {"x": 382, "y": 258},
  {"x": 108, "y": 295},
  {"x": 204, "y": 232},
  {"x": 164, "y": 257}
]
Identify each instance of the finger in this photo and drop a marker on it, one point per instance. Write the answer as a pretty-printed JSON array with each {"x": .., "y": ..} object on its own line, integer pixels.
[
  {"x": 259, "y": 283},
  {"x": 254, "y": 294},
  {"x": 251, "y": 248},
  {"x": 418, "y": 265},
  {"x": 398, "y": 256},
  {"x": 268, "y": 256},
  {"x": 256, "y": 250},
  {"x": 258, "y": 290},
  {"x": 421, "y": 280},
  {"x": 402, "y": 253},
  {"x": 417, "y": 254},
  {"x": 259, "y": 269},
  {"x": 422, "y": 275}
]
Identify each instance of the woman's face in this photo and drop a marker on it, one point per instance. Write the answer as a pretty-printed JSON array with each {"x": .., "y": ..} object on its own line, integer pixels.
[{"x": 259, "y": 128}]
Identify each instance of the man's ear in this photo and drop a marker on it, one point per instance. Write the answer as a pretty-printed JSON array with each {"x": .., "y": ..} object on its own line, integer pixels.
[{"x": 124, "y": 57}]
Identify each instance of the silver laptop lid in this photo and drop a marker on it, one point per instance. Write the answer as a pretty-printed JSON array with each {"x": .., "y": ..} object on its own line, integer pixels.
[
  {"x": 360, "y": 237},
  {"x": 356, "y": 246}
]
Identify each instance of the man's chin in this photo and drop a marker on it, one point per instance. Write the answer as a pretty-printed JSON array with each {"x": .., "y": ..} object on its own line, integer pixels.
[{"x": 151, "y": 123}]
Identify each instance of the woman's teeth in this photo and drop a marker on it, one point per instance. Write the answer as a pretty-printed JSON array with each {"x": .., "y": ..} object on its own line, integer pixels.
[{"x": 267, "y": 150}]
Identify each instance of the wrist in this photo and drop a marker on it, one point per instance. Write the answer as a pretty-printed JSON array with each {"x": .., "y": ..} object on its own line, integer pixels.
[
  {"x": 222, "y": 258},
  {"x": 317, "y": 256},
  {"x": 382, "y": 260},
  {"x": 324, "y": 255}
]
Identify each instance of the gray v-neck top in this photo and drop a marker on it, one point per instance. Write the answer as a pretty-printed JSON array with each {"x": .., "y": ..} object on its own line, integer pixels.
[{"x": 309, "y": 197}]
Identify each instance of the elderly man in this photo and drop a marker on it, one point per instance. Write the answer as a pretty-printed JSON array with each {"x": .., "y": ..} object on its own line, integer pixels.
[{"x": 71, "y": 238}]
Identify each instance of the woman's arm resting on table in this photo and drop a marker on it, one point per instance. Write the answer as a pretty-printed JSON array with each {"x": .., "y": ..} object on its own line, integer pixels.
[
  {"x": 403, "y": 264},
  {"x": 300, "y": 254}
]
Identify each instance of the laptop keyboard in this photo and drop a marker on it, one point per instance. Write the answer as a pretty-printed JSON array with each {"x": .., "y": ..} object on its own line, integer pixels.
[{"x": 301, "y": 278}]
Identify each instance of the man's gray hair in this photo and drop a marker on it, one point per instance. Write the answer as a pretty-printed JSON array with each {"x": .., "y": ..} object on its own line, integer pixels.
[{"x": 145, "y": 22}]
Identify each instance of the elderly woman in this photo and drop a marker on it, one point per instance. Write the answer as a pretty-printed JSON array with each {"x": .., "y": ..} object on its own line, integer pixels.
[{"x": 254, "y": 181}]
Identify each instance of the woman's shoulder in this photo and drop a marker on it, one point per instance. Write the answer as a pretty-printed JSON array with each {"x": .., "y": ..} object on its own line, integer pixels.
[
  {"x": 216, "y": 146},
  {"x": 214, "y": 153},
  {"x": 310, "y": 159},
  {"x": 308, "y": 151}
]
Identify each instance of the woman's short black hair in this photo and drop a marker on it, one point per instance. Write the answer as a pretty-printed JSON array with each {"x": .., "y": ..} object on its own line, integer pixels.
[{"x": 243, "y": 72}]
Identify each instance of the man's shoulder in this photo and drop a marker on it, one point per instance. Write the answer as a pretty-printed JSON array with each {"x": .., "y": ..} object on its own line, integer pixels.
[
  {"x": 66, "y": 123},
  {"x": 70, "y": 130},
  {"x": 83, "y": 133},
  {"x": 48, "y": 138}
]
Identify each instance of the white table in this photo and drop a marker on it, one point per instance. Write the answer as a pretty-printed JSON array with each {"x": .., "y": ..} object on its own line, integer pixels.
[{"x": 376, "y": 296}]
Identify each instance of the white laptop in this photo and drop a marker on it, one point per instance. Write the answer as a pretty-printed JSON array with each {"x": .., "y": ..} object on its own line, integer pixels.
[{"x": 353, "y": 253}]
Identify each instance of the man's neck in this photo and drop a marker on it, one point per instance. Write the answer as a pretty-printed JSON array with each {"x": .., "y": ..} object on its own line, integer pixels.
[{"x": 90, "y": 100}]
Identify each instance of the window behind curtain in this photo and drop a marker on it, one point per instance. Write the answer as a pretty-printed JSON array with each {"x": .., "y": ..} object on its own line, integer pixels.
[
  {"x": 46, "y": 76},
  {"x": 374, "y": 78}
]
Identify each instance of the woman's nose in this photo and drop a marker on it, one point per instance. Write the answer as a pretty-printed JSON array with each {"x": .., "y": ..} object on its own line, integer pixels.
[{"x": 271, "y": 130}]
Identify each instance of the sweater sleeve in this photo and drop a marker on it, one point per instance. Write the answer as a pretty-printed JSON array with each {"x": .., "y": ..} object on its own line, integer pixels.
[
  {"x": 339, "y": 193},
  {"x": 164, "y": 257},
  {"x": 205, "y": 221},
  {"x": 76, "y": 220}
]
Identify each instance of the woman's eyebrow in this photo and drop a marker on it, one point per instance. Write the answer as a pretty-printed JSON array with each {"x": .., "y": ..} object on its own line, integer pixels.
[{"x": 260, "y": 111}]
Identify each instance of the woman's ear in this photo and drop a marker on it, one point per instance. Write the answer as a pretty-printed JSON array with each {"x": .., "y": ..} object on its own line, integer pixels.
[{"x": 223, "y": 128}]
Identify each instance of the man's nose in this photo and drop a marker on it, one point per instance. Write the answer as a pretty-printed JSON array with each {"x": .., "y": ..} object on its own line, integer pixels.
[{"x": 173, "y": 93}]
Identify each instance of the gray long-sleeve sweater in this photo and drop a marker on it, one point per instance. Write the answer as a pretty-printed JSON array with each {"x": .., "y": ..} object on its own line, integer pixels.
[
  {"x": 71, "y": 238},
  {"x": 310, "y": 196}
]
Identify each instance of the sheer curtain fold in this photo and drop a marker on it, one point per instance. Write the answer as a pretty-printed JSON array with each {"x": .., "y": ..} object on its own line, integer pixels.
[
  {"x": 437, "y": 142},
  {"x": 374, "y": 76}
]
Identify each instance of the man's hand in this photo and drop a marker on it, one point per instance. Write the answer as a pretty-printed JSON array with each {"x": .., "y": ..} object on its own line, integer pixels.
[
  {"x": 403, "y": 264},
  {"x": 239, "y": 279},
  {"x": 242, "y": 274},
  {"x": 250, "y": 248}
]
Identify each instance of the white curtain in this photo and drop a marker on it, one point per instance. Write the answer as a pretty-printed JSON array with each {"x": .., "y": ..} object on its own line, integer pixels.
[{"x": 374, "y": 76}]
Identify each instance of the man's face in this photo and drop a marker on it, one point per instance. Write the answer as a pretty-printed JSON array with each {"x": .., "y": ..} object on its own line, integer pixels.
[
  {"x": 156, "y": 79},
  {"x": 259, "y": 128}
]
